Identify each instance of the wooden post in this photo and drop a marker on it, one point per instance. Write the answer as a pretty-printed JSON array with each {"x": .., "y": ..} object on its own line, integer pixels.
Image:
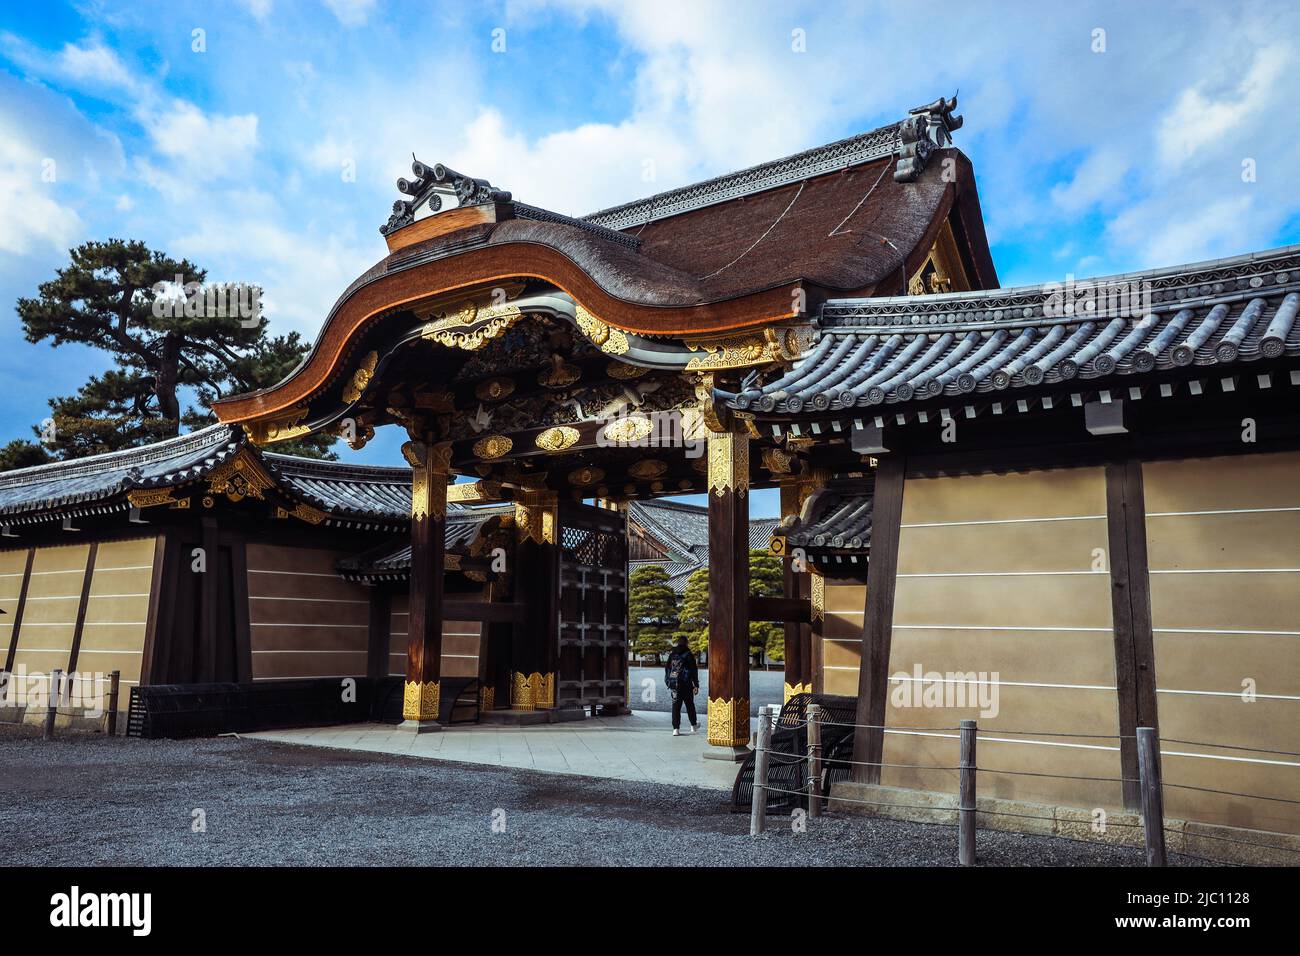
[
  {"x": 421, "y": 699},
  {"x": 966, "y": 795},
  {"x": 1153, "y": 800},
  {"x": 758, "y": 804},
  {"x": 52, "y": 706},
  {"x": 114, "y": 686},
  {"x": 814, "y": 760},
  {"x": 728, "y": 707}
]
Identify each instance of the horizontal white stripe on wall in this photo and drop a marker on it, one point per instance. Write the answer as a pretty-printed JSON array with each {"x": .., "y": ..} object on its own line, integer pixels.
[
  {"x": 1226, "y": 571},
  {"x": 68, "y": 571},
  {"x": 1000, "y": 683},
  {"x": 839, "y": 667},
  {"x": 998, "y": 627},
  {"x": 55, "y": 597},
  {"x": 108, "y": 623},
  {"x": 100, "y": 597},
  {"x": 125, "y": 567},
  {"x": 1224, "y": 693},
  {"x": 991, "y": 737},
  {"x": 1198, "y": 630},
  {"x": 994, "y": 574},
  {"x": 1226, "y": 511},
  {"x": 27, "y": 624},
  {"x": 258, "y": 680},
  {"x": 100, "y": 650},
  {"x": 957, "y": 524}
]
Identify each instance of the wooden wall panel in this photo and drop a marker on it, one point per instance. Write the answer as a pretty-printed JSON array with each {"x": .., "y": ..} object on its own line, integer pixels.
[
  {"x": 13, "y": 569},
  {"x": 1006, "y": 575},
  {"x": 460, "y": 641},
  {"x": 117, "y": 611},
  {"x": 50, "y": 612},
  {"x": 304, "y": 620},
  {"x": 1224, "y": 558}
]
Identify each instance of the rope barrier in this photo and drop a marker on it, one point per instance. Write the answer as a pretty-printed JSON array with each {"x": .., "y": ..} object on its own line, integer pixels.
[
  {"x": 1232, "y": 793},
  {"x": 1251, "y": 750},
  {"x": 1058, "y": 776}
]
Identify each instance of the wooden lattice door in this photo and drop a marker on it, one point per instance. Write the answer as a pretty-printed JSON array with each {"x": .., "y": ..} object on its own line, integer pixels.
[{"x": 593, "y": 608}]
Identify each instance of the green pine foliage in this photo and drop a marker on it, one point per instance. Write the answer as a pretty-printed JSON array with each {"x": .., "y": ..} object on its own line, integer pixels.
[
  {"x": 652, "y": 611},
  {"x": 169, "y": 365}
]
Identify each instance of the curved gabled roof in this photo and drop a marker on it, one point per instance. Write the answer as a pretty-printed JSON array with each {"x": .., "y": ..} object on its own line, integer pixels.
[{"x": 906, "y": 350}]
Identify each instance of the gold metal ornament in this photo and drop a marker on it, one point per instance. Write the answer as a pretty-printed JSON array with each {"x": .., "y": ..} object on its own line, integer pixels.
[
  {"x": 152, "y": 497},
  {"x": 560, "y": 375},
  {"x": 494, "y": 389},
  {"x": 728, "y": 463},
  {"x": 623, "y": 371},
  {"x": 493, "y": 446},
  {"x": 818, "y": 595},
  {"x": 420, "y": 701},
  {"x": 240, "y": 477},
  {"x": 648, "y": 469},
  {"x": 623, "y": 431},
  {"x": 470, "y": 327},
  {"x": 586, "y": 475},
  {"x": 557, "y": 438},
  {"x": 728, "y": 722},
  {"x": 360, "y": 378},
  {"x": 282, "y": 427},
  {"x": 778, "y": 461},
  {"x": 605, "y": 337}
]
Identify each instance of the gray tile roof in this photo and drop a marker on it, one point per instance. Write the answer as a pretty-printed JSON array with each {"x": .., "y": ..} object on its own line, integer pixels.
[
  {"x": 99, "y": 483},
  {"x": 911, "y": 349},
  {"x": 86, "y": 485},
  {"x": 392, "y": 559},
  {"x": 683, "y": 530},
  {"x": 832, "y": 520}
]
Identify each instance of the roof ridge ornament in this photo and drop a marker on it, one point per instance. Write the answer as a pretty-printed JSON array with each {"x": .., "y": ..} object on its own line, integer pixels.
[
  {"x": 468, "y": 190},
  {"x": 926, "y": 129}
]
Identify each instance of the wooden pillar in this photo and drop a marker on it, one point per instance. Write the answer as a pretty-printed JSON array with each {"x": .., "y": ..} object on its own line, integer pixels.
[
  {"x": 728, "y": 594},
  {"x": 379, "y": 632},
  {"x": 536, "y": 644},
  {"x": 795, "y": 633},
  {"x": 878, "y": 618},
  {"x": 1135, "y": 665},
  {"x": 429, "y": 473}
]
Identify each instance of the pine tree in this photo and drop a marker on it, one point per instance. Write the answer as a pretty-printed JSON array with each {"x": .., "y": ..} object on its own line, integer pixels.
[
  {"x": 172, "y": 361},
  {"x": 651, "y": 612},
  {"x": 695, "y": 612},
  {"x": 766, "y": 579}
]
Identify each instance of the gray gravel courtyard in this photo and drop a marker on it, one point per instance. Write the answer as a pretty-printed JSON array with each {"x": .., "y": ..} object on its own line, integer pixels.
[{"x": 90, "y": 800}]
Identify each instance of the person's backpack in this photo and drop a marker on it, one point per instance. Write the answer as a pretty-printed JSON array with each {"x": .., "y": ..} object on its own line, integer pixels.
[{"x": 676, "y": 671}]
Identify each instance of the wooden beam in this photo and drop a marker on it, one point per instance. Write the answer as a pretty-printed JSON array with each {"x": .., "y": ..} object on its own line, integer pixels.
[
  {"x": 421, "y": 697},
  {"x": 495, "y": 612},
  {"x": 791, "y": 610},
  {"x": 1135, "y": 669},
  {"x": 878, "y": 618},
  {"x": 18, "y": 611},
  {"x": 81, "y": 607}
]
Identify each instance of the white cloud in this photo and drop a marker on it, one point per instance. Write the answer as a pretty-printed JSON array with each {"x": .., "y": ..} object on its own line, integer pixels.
[
  {"x": 351, "y": 13},
  {"x": 201, "y": 146},
  {"x": 32, "y": 215}
]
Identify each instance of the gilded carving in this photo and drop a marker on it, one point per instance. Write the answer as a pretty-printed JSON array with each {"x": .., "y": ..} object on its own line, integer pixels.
[
  {"x": 750, "y": 348},
  {"x": 360, "y": 378},
  {"x": 818, "y": 598},
  {"x": 792, "y": 689},
  {"x": 472, "y": 492},
  {"x": 729, "y": 722},
  {"x": 487, "y": 698},
  {"x": 470, "y": 327},
  {"x": 535, "y": 516},
  {"x": 728, "y": 463},
  {"x": 626, "y": 430},
  {"x": 302, "y": 512},
  {"x": 493, "y": 446},
  {"x": 151, "y": 497},
  {"x": 494, "y": 389},
  {"x": 558, "y": 438},
  {"x": 586, "y": 476},
  {"x": 778, "y": 461},
  {"x": 560, "y": 374},
  {"x": 239, "y": 478},
  {"x": 282, "y": 427},
  {"x": 605, "y": 337},
  {"x": 648, "y": 469},
  {"x": 420, "y": 700},
  {"x": 622, "y": 371}
]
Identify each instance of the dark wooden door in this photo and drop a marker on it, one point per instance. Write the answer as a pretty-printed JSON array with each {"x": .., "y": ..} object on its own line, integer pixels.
[{"x": 593, "y": 608}]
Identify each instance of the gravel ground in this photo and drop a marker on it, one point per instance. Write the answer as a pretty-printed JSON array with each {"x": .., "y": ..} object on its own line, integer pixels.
[
  {"x": 88, "y": 800},
  {"x": 765, "y": 687}
]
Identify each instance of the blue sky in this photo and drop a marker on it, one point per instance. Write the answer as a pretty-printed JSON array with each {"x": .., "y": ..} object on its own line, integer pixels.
[{"x": 1105, "y": 137}]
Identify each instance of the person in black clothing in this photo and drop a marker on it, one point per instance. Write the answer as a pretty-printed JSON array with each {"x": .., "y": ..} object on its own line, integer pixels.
[{"x": 682, "y": 675}]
